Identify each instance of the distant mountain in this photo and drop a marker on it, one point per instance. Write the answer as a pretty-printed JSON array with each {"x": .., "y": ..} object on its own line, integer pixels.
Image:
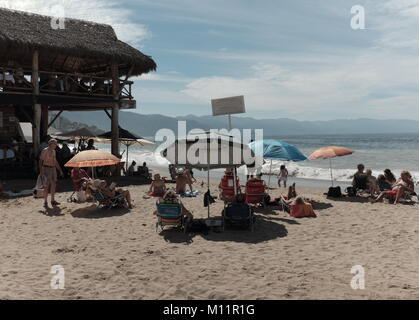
[{"x": 148, "y": 124}]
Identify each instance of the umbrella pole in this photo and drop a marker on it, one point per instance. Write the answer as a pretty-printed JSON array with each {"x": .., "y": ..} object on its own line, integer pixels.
[
  {"x": 331, "y": 172},
  {"x": 93, "y": 173},
  {"x": 126, "y": 165},
  {"x": 269, "y": 179},
  {"x": 208, "y": 183},
  {"x": 234, "y": 181}
]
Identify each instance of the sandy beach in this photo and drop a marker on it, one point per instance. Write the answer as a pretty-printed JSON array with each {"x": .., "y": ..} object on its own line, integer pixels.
[{"x": 117, "y": 254}]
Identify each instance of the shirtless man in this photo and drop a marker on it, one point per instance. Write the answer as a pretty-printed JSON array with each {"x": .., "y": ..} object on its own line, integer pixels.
[
  {"x": 189, "y": 178},
  {"x": 48, "y": 166},
  {"x": 181, "y": 182}
]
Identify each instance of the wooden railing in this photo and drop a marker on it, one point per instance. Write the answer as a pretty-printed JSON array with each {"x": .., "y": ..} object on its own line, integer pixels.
[{"x": 60, "y": 83}]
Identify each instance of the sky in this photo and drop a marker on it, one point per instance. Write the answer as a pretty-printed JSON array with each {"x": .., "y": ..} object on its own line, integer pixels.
[{"x": 296, "y": 59}]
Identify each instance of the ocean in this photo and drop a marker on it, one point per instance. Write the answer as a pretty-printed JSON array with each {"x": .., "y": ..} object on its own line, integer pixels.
[{"x": 378, "y": 152}]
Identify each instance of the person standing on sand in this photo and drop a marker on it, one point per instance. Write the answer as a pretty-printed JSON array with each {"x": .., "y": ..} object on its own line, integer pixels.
[
  {"x": 181, "y": 182},
  {"x": 189, "y": 177},
  {"x": 48, "y": 166},
  {"x": 283, "y": 176}
]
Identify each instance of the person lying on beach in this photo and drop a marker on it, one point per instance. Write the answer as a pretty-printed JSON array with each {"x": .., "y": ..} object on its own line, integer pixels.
[
  {"x": 402, "y": 188},
  {"x": 299, "y": 208},
  {"x": 157, "y": 187},
  {"x": 111, "y": 192},
  {"x": 372, "y": 183},
  {"x": 171, "y": 197}
]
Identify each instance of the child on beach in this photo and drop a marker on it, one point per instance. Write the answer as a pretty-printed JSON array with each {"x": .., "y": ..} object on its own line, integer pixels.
[{"x": 283, "y": 176}]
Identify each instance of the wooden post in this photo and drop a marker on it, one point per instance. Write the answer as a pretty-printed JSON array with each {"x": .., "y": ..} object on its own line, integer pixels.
[
  {"x": 115, "y": 109},
  {"x": 44, "y": 122},
  {"x": 36, "y": 126}
]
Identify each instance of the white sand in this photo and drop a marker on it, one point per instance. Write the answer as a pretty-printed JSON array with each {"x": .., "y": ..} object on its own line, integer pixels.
[{"x": 110, "y": 254}]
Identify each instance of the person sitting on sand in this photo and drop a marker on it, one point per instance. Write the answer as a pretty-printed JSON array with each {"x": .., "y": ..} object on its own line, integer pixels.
[
  {"x": 171, "y": 197},
  {"x": 181, "y": 182},
  {"x": 383, "y": 184},
  {"x": 391, "y": 179},
  {"x": 372, "y": 183},
  {"x": 80, "y": 178},
  {"x": 131, "y": 168},
  {"x": 360, "y": 178},
  {"x": 403, "y": 187},
  {"x": 157, "y": 187},
  {"x": 143, "y": 171},
  {"x": 110, "y": 192},
  {"x": 291, "y": 193}
]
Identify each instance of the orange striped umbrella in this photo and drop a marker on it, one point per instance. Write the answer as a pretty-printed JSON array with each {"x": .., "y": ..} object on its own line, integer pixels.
[
  {"x": 92, "y": 158},
  {"x": 329, "y": 153}
]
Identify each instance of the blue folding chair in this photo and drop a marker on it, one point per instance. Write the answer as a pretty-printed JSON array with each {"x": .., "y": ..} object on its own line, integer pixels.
[{"x": 170, "y": 214}]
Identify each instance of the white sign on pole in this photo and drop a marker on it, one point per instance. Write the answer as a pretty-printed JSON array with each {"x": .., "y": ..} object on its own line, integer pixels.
[{"x": 227, "y": 106}]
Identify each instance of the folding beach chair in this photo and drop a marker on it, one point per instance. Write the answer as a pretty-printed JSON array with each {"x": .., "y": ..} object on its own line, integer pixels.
[
  {"x": 107, "y": 202},
  {"x": 238, "y": 215},
  {"x": 256, "y": 192},
  {"x": 226, "y": 187},
  {"x": 170, "y": 214}
]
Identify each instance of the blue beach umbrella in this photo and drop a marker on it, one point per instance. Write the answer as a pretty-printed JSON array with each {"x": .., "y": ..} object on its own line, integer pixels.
[{"x": 277, "y": 150}]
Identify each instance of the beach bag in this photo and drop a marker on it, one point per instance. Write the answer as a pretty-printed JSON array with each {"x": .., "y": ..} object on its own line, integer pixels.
[
  {"x": 40, "y": 187},
  {"x": 334, "y": 192},
  {"x": 81, "y": 196},
  {"x": 351, "y": 191}
]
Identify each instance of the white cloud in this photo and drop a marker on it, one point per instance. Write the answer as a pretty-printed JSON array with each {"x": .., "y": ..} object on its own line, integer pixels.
[{"x": 101, "y": 11}]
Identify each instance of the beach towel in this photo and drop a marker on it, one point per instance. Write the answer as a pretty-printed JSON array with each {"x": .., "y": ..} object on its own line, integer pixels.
[
  {"x": 190, "y": 194},
  {"x": 302, "y": 211}
]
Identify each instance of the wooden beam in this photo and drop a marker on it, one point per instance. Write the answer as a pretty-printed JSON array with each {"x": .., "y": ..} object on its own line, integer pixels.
[
  {"x": 108, "y": 114},
  {"x": 36, "y": 127},
  {"x": 115, "y": 109}
]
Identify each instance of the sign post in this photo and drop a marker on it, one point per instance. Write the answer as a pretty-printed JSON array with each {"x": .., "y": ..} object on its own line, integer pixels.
[{"x": 228, "y": 106}]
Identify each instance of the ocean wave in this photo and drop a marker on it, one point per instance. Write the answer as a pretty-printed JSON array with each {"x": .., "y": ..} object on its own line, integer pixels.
[{"x": 297, "y": 170}]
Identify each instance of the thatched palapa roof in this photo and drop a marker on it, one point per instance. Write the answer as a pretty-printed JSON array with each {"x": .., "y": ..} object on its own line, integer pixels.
[{"x": 95, "y": 43}]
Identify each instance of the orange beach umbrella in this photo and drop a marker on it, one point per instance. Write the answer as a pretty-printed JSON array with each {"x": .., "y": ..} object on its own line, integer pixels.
[
  {"x": 92, "y": 158},
  {"x": 329, "y": 153}
]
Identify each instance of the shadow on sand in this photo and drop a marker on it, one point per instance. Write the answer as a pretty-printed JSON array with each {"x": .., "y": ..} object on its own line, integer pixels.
[
  {"x": 264, "y": 230},
  {"x": 93, "y": 212},
  {"x": 52, "y": 212}
]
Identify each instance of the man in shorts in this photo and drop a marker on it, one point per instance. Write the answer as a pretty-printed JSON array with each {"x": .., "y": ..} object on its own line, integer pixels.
[{"x": 48, "y": 166}]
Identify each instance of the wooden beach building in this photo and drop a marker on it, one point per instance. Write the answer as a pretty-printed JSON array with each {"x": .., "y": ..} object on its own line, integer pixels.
[{"x": 82, "y": 67}]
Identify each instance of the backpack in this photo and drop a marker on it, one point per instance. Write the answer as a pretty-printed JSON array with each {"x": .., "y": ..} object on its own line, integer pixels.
[
  {"x": 334, "y": 192},
  {"x": 351, "y": 191}
]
